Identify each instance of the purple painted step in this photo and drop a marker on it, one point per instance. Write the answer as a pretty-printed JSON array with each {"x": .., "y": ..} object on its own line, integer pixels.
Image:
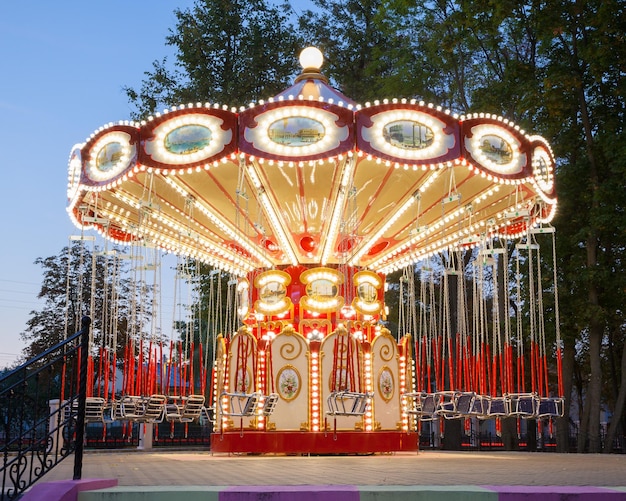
[{"x": 65, "y": 490}]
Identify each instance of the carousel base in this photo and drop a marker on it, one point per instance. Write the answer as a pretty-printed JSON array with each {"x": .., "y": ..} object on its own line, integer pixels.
[{"x": 330, "y": 442}]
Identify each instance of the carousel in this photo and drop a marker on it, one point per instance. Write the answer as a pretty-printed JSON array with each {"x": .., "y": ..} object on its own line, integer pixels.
[{"x": 309, "y": 202}]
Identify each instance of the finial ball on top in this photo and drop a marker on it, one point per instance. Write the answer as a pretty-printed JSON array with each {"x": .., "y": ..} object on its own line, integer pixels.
[{"x": 311, "y": 58}]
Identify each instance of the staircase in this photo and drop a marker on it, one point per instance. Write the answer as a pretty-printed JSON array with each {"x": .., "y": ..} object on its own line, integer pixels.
[{"x": 42, "y": 414}]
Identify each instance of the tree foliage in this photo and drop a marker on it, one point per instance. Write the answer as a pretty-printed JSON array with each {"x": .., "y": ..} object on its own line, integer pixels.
[
  {"x": 585, "y": 100},
  {"x": 227, "y": 51},
  {"x": 78, "y": 282}
]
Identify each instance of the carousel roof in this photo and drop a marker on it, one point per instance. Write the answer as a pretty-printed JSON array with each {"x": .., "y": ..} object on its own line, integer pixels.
[{"x": 310, "y": 177}]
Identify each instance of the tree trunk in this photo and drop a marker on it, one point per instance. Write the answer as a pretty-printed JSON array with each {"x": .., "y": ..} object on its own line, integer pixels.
[
  {"x": 583, "y": 429},
  {"x": 562, "y": 425},
  {"x": 619, "y": 407},
  {"x": 453, "y": 437},
  {"x": 509, "y": 425},
  {"x": 594, "y": 388},
  {"x": 590, "y": 427}
]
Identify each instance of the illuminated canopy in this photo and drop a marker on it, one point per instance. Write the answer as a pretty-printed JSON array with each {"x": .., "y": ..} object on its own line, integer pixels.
[{"x": 309, "y": 177}]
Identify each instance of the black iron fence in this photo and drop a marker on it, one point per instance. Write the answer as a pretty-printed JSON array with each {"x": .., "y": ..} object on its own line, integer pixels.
[
  {"x": 127, "y": 434},
  {"x": 529, "y": 435},
  {"x": 42, "y": 411}
]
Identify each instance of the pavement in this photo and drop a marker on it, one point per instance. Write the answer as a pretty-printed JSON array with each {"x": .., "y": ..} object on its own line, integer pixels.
[{"x": 425, "y": 468}]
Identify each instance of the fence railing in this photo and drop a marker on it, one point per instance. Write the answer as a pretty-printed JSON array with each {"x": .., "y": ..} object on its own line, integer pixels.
[{"x": 42, "y": 412}]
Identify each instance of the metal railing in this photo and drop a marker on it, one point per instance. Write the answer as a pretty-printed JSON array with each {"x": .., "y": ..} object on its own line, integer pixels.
[{"x": 42, "y": 413}]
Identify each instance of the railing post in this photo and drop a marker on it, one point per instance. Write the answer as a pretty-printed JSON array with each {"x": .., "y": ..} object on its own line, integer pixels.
[{"x": 82, "y": 398}]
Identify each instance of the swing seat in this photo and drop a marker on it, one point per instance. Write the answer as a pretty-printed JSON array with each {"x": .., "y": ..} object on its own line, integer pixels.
[
  {"x": 455, "y": 404},
  {"x": 128, "y": 405},
  {"x": 464, "y": 403},
  {"x": 429, "y": 404},
  {"x": 69, "y": 409},
  {"x": 186, "y": 412},
  {"x": 347, "y": 403},
  {"x": 154, "y": 409},
  {"x": 550, "y": 407},
  {"x": 142, "y": 409},
  {"x": 94, "y": 410},
  {"x": 499, "y": 407},
  {"x": 524, "y": 405},
  {"x": 446, "y": 404},
  {"x": 149, "y": 410},
  {"x": 270, "y": 404},
  {"x": 109, "y": 411},
  {"x": 118, "y": 406},
  {"x": 209, "y": 413},
  {"x": 241, "y": 404},
  {"x": 480, "y": 407}
]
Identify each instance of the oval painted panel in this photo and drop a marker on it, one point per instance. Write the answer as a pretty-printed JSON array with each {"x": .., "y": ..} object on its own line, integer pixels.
[
  {"x": 322, "y": 290},
  {"x": 187, "y": 139},
  {"x": 367, "y": 293},
  {"x": 408, "y": 135},
  {"x": 271, "y": 246},
  {"x": 379, "y": 247},
  {"x": 109, "y": 156},
  {"x": 496, "y": 149},
  {"x": 243, "y": 379},
  {"x": 288, "y": 382},
  {"x": 296, "y": 131},
  {"x": 386, "y": 384},
  {"x": 273, "y": 292}
]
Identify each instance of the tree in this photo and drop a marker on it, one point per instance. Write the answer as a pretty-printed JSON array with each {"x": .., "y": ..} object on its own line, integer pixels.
[
  {"x": 79, "y": 282},
  {"x": 557, "y": 68},
  {"x": 227, "y": 51},
  {"x": 433, "y": 58},
  {"x": 585, "y": 96},
  {"x": 350, "y": 36}
]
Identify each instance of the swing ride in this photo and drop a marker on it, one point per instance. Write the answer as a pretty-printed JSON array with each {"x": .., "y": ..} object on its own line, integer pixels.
[{"x": 309, "y": 201}]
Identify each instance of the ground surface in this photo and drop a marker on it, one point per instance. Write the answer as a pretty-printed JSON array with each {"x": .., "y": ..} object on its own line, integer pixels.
[{"x": 424, "y": 468}]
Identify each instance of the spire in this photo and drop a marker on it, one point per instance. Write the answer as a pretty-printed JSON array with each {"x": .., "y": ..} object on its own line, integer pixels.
[{"x": 311, "y": 84}]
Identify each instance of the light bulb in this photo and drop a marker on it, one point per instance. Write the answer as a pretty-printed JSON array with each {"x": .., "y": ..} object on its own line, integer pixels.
[{"x": 311, "y": 58}]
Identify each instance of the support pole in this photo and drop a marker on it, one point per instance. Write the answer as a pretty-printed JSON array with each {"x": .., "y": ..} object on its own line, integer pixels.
[
  {"x": 146, "y": 431},
  {"x": 82, "y": 398}
]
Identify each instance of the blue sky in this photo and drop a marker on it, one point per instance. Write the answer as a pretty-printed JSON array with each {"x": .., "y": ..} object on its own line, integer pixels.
[{"x": 63, "y": 66}]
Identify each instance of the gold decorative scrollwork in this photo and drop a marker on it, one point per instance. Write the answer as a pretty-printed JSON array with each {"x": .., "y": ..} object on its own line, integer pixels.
[
  {"x": 386, "y": 352},
  {"x": 289, "y": 351}
]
